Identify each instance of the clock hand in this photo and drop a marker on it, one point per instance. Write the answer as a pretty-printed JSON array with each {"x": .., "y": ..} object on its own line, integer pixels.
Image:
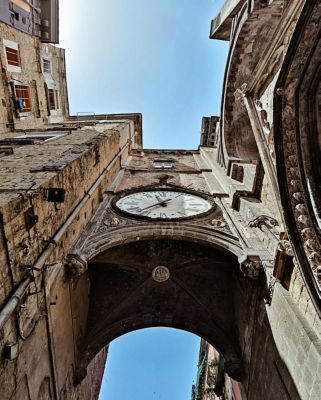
[{"x": 157, "y": 204}]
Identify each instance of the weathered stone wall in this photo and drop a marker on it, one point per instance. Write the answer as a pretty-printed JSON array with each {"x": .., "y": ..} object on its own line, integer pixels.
[
  {"x": 45, "y": 318},
  {"x": 296, "y": 330}
]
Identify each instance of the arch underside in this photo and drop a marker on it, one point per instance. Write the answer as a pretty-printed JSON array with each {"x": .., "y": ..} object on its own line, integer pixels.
[{"x": 199, "y": 296}]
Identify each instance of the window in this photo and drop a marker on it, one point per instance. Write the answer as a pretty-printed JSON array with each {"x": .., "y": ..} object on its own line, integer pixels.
[
  {"x": 46, "y": 66},
  {"x": 13, "y": 57},
  {"x": 23, "y": 101},
  {"x": 237, "y": 172},
  {"x": 54, "y": 100},
  {"x": 15, "y": 16},
  {"x": 31, "y": 138},
  {"x": 163, "y": 164}
]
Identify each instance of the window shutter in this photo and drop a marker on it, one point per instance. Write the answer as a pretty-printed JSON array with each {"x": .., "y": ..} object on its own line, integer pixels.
[{"x": 47, "y": 99}]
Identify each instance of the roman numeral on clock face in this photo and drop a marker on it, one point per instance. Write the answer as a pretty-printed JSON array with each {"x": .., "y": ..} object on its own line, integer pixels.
[
  {"x": 145, "y": 213},
  {"x": 134, "y": 209}
]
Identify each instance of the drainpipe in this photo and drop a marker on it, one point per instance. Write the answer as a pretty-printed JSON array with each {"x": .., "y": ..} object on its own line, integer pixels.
[
  {"x": 14, "y": 300},
  {"x": 16, "y": 297}
]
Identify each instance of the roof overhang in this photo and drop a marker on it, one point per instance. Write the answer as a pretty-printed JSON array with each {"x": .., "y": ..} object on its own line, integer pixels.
[{"x": 222, "y": 24}]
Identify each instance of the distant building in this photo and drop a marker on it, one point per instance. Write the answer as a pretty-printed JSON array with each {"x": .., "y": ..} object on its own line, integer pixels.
[
  {"x": 38, "y": 18},
  {"x": 212, "y": 383},
  {"x": 33, "y": 85},
  {"x": 209, "y": 131}
]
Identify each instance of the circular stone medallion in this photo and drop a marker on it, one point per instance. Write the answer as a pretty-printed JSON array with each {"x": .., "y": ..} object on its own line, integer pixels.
[{"x": 160, "y": 273}]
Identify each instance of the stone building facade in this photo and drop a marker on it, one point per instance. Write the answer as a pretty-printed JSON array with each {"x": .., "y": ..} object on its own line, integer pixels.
[
  {"x": 100, "y": 237},
  {"x": 212, "y": 383},
  {"x": 33, "y": 85}
]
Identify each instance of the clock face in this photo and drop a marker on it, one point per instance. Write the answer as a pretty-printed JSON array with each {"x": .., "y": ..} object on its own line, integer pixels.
[{"x": 163, "y": 204}]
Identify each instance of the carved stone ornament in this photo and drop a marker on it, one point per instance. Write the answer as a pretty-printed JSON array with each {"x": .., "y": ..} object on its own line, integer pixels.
[
  {"x": 240, "y": 93},
  {"x": 109, "y": 228},
  {"x": 266, "y": 127},
  {"x": 75, "y": 267},
  {"x": 264, "y": 220},
  {"x": 285, "y": 247},
  {"x": 160, "y": 274},
  {"x": 218, "y": 223},
  {"x": 114, "y": 221},
  {"x": 251, "y": 267}
]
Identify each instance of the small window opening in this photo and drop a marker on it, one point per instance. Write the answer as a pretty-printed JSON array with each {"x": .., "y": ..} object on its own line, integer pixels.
[
  {"x": 13, "y": 57},
  {"x": 23, "y": 101},
  {"x": 54, "y": 100},
  {"x": 46, "y": 64},
  {"x": 163, "y": 164}
]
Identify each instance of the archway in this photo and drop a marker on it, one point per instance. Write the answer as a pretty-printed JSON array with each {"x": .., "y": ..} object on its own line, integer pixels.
[
  {"x": 196, "y": 288},
  {"x": 199, "y": 288}
]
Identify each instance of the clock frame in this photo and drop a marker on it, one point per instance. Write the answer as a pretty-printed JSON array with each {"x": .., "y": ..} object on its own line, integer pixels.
[{"x": 163, "y": 214}]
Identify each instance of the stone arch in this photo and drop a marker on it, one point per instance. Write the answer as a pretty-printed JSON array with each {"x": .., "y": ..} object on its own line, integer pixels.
[
  {"x": 220, "y": 238},
  {"x": 202, "y": 294}
]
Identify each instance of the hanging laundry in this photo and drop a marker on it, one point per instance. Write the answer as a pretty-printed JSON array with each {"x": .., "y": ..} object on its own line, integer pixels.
[{"x": 19, "y": 104}]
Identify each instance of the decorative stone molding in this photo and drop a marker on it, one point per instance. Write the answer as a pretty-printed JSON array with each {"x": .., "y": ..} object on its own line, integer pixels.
[
  {"x": 108, "y": 228},
  {"x": 294, "y": 136}
]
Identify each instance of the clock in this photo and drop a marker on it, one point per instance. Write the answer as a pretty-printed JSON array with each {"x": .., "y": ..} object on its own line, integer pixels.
[{"x": 163, "y": 205}]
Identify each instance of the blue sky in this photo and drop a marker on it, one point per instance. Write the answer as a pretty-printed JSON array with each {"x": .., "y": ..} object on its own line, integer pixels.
[
  {"x": 152, "y": 57},
  {"x": 147, "y": 56},
  {"x": 155, "y": 364}
]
